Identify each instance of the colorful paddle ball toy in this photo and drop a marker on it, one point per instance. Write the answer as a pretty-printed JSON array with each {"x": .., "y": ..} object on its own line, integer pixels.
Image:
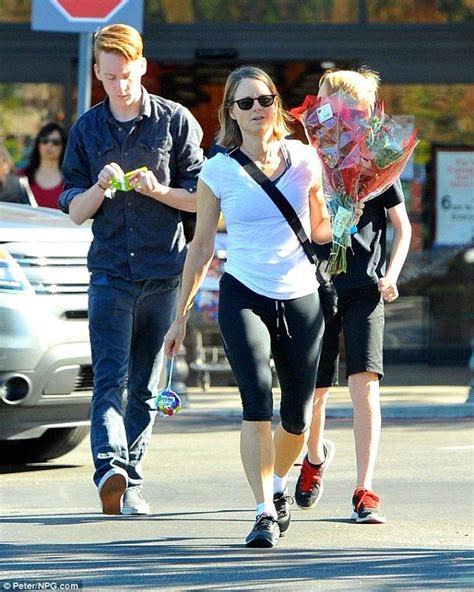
[{"x": 167, "y": 401}]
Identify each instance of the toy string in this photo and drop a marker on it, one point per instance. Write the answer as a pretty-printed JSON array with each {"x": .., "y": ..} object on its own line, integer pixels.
[{"x": 170, "y": 374}]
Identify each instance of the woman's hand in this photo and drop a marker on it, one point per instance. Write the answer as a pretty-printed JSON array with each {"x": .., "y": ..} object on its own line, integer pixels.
[{"x": 174, "y": 337}]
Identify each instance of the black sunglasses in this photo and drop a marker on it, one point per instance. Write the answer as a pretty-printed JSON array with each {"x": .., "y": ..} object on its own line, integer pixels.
[
  {"x": 53, "y": 141},
  {"x": 247, "y": 103}
]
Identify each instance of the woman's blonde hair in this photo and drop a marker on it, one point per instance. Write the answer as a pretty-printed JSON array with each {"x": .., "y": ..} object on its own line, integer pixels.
[
  {"x": 361, "y": 84},
  {"x": 121, "y": 39},
  {"x": 229, "y": 135}
]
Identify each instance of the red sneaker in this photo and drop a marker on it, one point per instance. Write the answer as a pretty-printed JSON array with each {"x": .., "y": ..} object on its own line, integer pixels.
[
  {"x": 367, "y": 507},
  {"x": 309, "y": 487}
]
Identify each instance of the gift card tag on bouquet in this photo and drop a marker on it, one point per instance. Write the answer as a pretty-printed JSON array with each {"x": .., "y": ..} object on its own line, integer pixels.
[
  {"x": 324, "y": 113},
  {"x": 342, "y": 221}
]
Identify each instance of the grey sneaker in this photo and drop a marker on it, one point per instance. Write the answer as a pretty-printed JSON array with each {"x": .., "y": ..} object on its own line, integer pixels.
[
  {"x": 111, "y": 488},
  {"x": 133, "y": 503}
]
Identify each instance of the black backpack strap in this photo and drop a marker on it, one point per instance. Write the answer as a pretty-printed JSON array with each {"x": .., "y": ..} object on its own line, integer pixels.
[{"x": 278, "y": 199}]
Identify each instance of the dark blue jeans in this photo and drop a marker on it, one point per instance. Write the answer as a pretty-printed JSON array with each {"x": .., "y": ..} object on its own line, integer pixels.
[{"x": 127, "y": 324}]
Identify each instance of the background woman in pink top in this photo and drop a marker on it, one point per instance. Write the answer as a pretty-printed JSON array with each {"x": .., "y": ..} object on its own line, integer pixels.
[{"x": 44, "y": 167}]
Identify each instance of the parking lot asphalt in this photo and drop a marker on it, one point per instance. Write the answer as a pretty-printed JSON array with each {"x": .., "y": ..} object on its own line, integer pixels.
[
  {"x": 53, "y": 533},
  {"x": 202, "y": 508}
]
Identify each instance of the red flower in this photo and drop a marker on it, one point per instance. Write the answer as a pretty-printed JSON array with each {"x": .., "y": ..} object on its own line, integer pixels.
[{"x": 362, "y": 153}]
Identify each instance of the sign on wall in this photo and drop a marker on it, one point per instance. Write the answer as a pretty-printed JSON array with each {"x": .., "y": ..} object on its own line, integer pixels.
[
  {"x": 454, "y": 180},
  {"x": 84, "y": 16}
]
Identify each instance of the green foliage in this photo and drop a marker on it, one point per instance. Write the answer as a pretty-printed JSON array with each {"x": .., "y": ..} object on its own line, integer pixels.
[
  {"x": 15, "y": 10},
  {"x": 425, "y": 11},
  {"x": 259, "y": 11}
]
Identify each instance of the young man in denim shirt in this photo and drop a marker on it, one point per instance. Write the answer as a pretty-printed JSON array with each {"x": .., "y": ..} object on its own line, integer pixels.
[{"x": 137, "y": 253}]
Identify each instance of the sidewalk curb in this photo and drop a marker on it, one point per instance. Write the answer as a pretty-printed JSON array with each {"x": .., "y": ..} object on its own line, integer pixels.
[
  {"x": 415, "y": 400},
  {"x": 457, "y": 411},
  {"x": 461, "y": 410}
]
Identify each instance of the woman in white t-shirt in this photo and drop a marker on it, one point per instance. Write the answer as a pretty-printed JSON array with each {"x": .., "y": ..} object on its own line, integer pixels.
[{"x": 269, "y": 303}]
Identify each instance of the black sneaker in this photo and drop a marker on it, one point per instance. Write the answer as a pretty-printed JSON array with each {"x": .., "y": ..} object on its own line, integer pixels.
[
  {"x": 309, "y": 487},
  {"x": 282, "y": 503},
  {"x": 265, "y": 532}
]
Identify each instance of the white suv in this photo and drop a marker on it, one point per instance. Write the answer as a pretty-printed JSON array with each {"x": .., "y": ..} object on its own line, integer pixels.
[{"x": 45, "y": 359}]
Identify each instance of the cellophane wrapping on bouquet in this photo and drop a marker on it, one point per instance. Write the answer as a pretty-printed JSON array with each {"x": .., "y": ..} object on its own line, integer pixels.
[{"x": 363, "y": 152}]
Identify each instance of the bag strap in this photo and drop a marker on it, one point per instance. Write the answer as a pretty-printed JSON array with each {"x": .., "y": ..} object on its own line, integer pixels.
[{"x": 278, "y": 199}]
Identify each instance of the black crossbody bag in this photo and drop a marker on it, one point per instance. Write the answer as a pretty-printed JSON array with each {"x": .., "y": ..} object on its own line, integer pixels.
[
  {"x": 279, "y": 200},
  {"x": 328, "y": 294}
]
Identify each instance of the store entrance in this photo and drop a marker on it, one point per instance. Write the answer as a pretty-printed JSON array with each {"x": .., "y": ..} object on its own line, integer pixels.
[{"x": 200, "y": 86}]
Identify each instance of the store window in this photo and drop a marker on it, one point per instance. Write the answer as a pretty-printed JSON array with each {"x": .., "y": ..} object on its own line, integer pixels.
[
  {"x": 15, "y": 11},
  {"x": 252, "y": 11},
  {"x": 423, "y": 317},
  {"x": 200, "y": 86},
  {"x": 442, "y": 115},
  {"x": 24, "y": 108},
  {"x": 422, "y": 11}
]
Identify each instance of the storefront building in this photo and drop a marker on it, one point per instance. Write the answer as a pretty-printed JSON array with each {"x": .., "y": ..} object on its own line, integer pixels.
[{"x": 423, "y": 51}]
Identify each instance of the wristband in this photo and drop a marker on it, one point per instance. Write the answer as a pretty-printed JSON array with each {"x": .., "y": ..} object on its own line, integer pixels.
[
  {"x": 103, "y": 188},
  {"x": 353, "y": 230}
]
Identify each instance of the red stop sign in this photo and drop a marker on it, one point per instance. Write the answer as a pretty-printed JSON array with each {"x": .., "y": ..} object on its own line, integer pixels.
[{"x": 89, "y": 9}]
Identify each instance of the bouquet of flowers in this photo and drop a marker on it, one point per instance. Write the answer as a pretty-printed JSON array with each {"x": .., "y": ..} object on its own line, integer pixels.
[{"x": 363, "y": 152}]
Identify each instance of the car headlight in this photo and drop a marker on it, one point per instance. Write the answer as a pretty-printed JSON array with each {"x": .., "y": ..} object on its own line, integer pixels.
[{"x": 12, "y": 277}]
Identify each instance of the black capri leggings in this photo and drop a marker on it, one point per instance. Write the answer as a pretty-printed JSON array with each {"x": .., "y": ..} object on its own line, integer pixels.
[{"x": 253, "y": 327}]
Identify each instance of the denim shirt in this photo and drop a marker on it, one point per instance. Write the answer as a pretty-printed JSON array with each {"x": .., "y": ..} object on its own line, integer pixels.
[{"x": 135, "y": 237}]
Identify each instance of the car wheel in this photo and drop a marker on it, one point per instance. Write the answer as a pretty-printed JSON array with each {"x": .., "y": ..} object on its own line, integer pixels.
[{"x": 53, "y": 443}]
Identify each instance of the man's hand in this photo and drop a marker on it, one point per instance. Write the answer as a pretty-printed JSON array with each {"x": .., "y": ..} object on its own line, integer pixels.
[
  {"x": 147, "y": 184},
  {"x": 388, "y": 289},
  {"x": 106, "y": 175}
]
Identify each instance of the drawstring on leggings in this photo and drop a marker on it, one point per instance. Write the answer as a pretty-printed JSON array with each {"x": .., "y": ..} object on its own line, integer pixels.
[{"x": 281, "y": 319}]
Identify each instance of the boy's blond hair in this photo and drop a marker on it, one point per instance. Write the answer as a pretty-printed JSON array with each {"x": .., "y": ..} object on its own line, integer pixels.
[
  {"x": 361, "y": 84},
  {"x": 121, "y": 39}
]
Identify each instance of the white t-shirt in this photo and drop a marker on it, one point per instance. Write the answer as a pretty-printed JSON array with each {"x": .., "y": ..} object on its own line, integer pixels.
[{"x": 263, "y": 252}]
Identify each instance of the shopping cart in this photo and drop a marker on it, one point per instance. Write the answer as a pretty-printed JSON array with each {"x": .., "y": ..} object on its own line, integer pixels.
[{"x": 204, "y": 350}]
